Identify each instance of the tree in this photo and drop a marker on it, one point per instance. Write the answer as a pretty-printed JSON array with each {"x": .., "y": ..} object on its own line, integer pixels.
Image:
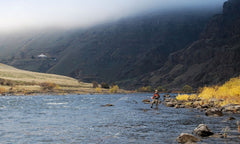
[
  {"x": 187, "y": 89},
  {"x": 161, "y": 89},
  {"x": 104, "y": 85}
]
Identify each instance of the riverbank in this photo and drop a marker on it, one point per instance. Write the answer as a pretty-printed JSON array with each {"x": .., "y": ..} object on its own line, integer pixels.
[
  {"x": 20, "y": 90},
  {"x": 14, "y": 81},
  {"x": 210, "y": 109}
]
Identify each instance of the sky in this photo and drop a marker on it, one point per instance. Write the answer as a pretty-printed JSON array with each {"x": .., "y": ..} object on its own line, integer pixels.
[{"x": 28, "y": 14}]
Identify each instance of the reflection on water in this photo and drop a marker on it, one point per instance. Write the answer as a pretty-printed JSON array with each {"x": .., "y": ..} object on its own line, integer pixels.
[{"x": 82, "y": 119}]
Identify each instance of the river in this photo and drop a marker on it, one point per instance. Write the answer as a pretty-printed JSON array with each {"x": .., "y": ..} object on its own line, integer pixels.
[{"x": 75, "y": 119}]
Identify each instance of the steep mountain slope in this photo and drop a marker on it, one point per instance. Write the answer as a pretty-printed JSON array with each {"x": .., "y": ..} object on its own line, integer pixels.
[
  {"x": 119, "y": 52},
  {"x": 129, "y": 48},
  {"x": 212, "y": 59}
]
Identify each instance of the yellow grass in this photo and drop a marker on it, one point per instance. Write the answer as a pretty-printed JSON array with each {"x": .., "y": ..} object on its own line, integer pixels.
[
  {"x": 114, "y": 89},
  {"x": 228, "y": 93},
  {"x": 185, "y": 97},
  {"x": 98, "y": 90}
]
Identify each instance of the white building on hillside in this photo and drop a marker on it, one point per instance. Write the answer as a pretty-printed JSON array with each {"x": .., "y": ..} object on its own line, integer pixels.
[{"x": 42, "y": 56}]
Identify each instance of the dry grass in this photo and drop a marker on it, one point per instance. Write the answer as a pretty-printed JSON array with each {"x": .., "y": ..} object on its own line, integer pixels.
[
  {"x": 34, "y": 77},
  {"x": 11, "y": 73},
  {"x": 30, "y": 82},
  {"x": 228, "y": 93},
  {"x": 185, "y": 97},
  {"x": 27, "y": 82}
]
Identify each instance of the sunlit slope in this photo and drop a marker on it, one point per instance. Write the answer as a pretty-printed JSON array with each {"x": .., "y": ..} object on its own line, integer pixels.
[{"x": 17, "y": 75}]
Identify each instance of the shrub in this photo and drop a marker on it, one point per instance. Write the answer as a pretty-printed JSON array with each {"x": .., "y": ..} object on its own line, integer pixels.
[
  {"x": 2, "y": 90},
  {"x": 161, "y": 89},
  {"x": 186, "y": 97},
  {"x": 187, "y": 89},
  {"x": 98, "y": 90},
  {"x": 6, "y": 82},
  {"x": 95, "y": 84},
  {"x": 104, "y": 85},
  {"x": 145, "y": 89},
  {"x": 228, "y": 93},
  {"x": 48, "y": 85},
  {"x": 114, "y": 89}
]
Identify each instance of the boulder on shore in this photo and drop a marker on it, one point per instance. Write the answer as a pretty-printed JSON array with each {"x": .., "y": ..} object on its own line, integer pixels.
[
  {"x": 213, "y": 112},
  {"x": 169, "y": 100},
  {"x": 170, "y": 104},
  {"x": 203, "y": 131},
  {"x": 234, "y": 108},
  {"x": 185, "y": 138},
  {"x": 179, "y": 105},
  {"x": 146, "y": 101},
  {"x": 166, "y": 95},
  {"x": 206, "y": 106}
]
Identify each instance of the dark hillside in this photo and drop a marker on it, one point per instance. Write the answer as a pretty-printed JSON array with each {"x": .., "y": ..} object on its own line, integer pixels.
[
  {"x": 129, "y": 48},
  {"x": 212, "y": 59},
  {"x": 120, "y": 52}
]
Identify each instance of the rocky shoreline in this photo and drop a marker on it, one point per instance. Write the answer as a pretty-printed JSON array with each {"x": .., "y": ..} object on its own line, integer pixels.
[{"x": 210, "y": 109}]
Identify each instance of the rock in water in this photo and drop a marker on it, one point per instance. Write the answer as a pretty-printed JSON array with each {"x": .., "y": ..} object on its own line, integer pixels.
[
  {"x": 107, "y": 105},
  {"x": 203, "y": 131},
  {"x": 187, "y": 138},
  {"x": 213, "y": 112},
  {"x": 146, "y": 101},
  {"x": 231, "y": 118}
]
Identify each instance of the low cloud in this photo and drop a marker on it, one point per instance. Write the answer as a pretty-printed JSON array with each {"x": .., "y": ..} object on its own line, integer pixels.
[{"x": 24, "y": 14}]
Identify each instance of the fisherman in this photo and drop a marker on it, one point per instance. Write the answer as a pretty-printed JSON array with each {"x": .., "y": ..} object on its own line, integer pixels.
[{"x": 155, "y": 99}]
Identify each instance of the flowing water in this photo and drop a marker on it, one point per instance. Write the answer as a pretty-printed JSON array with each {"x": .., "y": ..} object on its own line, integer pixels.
[{"x": 75, "y": 119}]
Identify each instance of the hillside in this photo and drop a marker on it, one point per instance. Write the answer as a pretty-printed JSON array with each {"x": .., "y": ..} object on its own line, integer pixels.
[
  {"x": 26, "y": 82},
  {"x": 119, "y": 52},
  {"x": 213, "y": 59},
  {"x": 21, "y": 49},
  {"x": 129, "y": 48}
]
